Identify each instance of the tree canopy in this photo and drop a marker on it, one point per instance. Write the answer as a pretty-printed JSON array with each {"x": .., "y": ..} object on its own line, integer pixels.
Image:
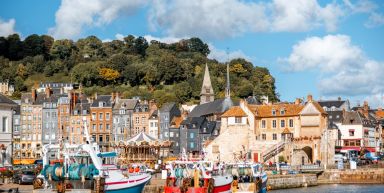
[{"x": 132, "y": 66}]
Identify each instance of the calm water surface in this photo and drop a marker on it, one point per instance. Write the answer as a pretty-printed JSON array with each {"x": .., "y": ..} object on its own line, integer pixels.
[{"x": 338, "y": 188}]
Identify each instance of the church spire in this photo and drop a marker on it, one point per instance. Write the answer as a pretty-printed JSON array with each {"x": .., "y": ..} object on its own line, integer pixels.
[
  {"x": 227, "y": 88},
  {"x": 206, "y": 94}
]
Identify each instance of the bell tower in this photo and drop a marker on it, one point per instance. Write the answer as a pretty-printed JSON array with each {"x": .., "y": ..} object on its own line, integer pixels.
[{"x": 206, "y": 95}]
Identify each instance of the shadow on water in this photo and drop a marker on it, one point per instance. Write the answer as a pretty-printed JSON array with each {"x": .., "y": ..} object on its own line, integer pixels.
[{"x": 336, "y": 188}]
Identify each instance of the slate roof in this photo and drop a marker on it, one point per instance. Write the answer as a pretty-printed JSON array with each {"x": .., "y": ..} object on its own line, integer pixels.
[
  {"x": 193, "y": 121},
  {"x": 167, "y": 107},
  {"x": 253, "y": 100},
  {"x": 154, "y": 115},
  {"x": 335, "y": 116},
  {"x": 6, "y": 100},
  {"x": 318, "y": 107},
  {"x": 40, "y": 98},
  {"x": 127, "y": 104},
  {"x": 217, "y": 106},
  {"x": 235, "y": 111},
  {"x": 209, "y": 125},
  {"x": 17, "y": 110},
  {"x": 82, "y": 106},
  {"x": 102, "y": 98},
  {"x": 332, "y": 103}
]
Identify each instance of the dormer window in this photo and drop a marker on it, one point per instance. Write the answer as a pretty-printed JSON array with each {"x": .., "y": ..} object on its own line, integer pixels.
[
  {"x": 101, "y": 104},
  {"x": 273, "y": 112},
  {"x": 282, "y": 111},
  {"x": 333, "y": 108},
  {"x": 325, "y": 108},
  {"x": 205, "y": 130}
]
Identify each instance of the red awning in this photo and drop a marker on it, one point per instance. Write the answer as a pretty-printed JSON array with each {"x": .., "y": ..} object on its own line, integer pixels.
[
  {"x": 351, "y": 148},
  {"x": 370, "y": 149}
]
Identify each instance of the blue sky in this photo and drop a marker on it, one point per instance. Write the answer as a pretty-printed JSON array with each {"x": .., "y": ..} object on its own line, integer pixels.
[{"x": 325, "y": 48}]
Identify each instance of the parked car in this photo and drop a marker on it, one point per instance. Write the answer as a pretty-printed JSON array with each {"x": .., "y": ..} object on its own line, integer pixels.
[{"x": 24, "y": 177}]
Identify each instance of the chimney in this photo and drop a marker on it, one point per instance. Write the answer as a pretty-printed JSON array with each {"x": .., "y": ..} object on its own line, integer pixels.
[
  {"x": 297, "y": 101},
  {"x": 34, "y": 94},
  {"x": 48, "y": 92},
  {"x": 309, "y": 98},
  {"x": 95, "y": 95},
  {"x": 339, "y": 98},
  {"x": 117, "y": 96}
]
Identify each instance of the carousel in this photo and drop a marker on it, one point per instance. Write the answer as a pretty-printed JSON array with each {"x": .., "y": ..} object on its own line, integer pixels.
[{"x": 141, "y": 148}]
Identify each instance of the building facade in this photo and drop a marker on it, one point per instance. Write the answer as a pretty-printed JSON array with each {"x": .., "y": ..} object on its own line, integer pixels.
[
  {"x": 166, "y": 114},
  {"x": 50, "y": 118},
  {"x": 101, "y": 121},
  {"x": 122, "y": 118},
  {"x": 80, "y": 116},
  {"x": 153, "y": 126},
  {"x": 7, "y": 110}
]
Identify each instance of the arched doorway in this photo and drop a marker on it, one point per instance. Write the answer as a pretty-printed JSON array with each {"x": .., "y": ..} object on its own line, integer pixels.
[{"x": 308, "y": 151}]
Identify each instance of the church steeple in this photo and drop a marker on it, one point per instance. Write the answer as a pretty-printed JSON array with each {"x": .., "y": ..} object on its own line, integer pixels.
[
  {"x": 206, "y": 95},
  {"x": 228, "y": 88}
]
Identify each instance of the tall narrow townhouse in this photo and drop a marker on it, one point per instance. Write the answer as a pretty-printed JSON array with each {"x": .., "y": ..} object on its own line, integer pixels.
[
  {"x": 49, "y": 117},
  {"x": 7, "y": 109},
  {"x": 141, "y": 115},
  {"x": 166, "y": 113},
  {"x": 16, "y": 134},
  {"x": 31, "y": 126},
  {"x": 80, "y": 117},
  {"x": 101, "y": 121},
  {"x": 123, "y": 118}
]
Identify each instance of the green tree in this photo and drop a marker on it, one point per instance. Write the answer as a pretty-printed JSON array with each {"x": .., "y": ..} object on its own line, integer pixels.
[
  {"x": 91, "y": 47},
  {"x": 63, "y": 49},
  {"x": 15, "y": 47},
  {"x": 86, "y": 73},
  {"x": 183, "y": 92}
]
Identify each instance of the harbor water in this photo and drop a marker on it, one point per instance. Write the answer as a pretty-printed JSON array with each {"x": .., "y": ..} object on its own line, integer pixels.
[{"x": 337, "y": 188}]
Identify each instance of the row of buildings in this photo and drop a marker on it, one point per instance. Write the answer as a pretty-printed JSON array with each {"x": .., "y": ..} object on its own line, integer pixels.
[{"x": 299, "y": 132}]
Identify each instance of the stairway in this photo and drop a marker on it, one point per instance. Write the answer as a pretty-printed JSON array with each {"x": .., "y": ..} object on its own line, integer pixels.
[{"x": 276, "y": 149}]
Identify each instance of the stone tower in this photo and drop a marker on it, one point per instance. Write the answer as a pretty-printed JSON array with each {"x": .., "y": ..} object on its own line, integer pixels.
[{"x": 206, "y": 95}]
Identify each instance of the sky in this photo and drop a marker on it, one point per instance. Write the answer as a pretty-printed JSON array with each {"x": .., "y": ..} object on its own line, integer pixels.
[{"x": 327, "y": 48}]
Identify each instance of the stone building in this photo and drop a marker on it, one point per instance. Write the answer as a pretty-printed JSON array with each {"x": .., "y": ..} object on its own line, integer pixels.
[
  {"x": 123, "y": 118},
  {"x": 101, "y": 121},
  {"x": 140, "y": 116},
  {"x": 153, "y": 125},
  {"x": 80, "y": 114},
  {"x": 49, "y": 118},
  {"x": 6, "y": 89},
  {"x": 166, "y": 113},
  {"x": 16, "y": 133},
  {"x": 7, "y": 109}
]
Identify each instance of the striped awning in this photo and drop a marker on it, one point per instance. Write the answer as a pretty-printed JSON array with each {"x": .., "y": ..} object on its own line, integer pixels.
[{"x": 140, "y": 138}]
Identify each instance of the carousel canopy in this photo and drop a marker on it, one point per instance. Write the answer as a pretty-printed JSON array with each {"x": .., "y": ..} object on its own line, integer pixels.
[{"x": 141, "y": 137}]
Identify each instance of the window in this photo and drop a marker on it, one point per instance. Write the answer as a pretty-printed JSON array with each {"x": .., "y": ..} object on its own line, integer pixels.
[
  {"x": 101, "y": 104},
  {"x": 192, "y": 135},
  {"x": 282, "y": 123},
  {"x": 100, "y": 116},
  {"x": 122, "y": 111},
  {"x": 107, "y": 127},
  {"x": 282, "y": 111},
  {"x": 94, "y": 127},
  {"x": 100, "y": 138},
  {"x": 274, "y": 123},
  {"x": 290, "y": 122},
  {"x": 273, "y": 112},
  {"x": 107, "y": 138},
  {"x": 351, "y": 132},
  {"x": 274, "y": 136},
  {"x": 192, "y": 145},
  {"x": 237, "y": 119},
  {"x": 94, "y": 138},
  {"x": 170, "y": 134},
  {"x": 107, "y": 116},
  {"x": 93, "y": 116},
  {"x": 100, "y": 127},
  {"x": 142, "y": 120},
  {"x": 263, "y": 123},
  {"x": 264, "y": 136},
  {"x": 5, "y": 124},
  {"x": 137, "y": 120}
]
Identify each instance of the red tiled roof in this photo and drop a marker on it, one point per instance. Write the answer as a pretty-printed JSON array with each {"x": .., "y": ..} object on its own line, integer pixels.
[{"x": 235, "y": 111}]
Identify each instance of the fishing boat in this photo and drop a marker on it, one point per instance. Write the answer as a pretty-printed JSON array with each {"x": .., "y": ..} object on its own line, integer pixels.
[
  {"x": 196, "y": 176},
  {"x": 248, "y": 174},
  {"x": 83, "y": 163}
]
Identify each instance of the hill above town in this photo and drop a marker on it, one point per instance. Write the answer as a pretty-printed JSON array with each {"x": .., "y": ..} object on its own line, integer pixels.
[{"x": 133, "y": 67}]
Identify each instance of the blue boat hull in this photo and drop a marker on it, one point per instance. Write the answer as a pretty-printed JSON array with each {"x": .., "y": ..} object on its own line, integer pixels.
[{"x": 135, "y": 189}]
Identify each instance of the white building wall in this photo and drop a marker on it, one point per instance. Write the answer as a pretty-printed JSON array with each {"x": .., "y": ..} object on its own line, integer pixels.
[
  {"x": 153, "y": 128},
  {"x": 232, "y": 121}
]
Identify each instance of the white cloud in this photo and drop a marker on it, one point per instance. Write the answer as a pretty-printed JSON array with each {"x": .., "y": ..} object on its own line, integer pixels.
[
  {"x": 360, "y": 6},
  {"x": 374, "y": 20},
  {"x": 7, "y": 27},
  {"x": 229, "y": 18},
  {"x": 213, "y": 18},
  {"x": 343, "y": 67},
  {"x": 119, "y": 37},
  {"x": 74, "y": 15},
  {"x": 167, "y": 40},
  {"x": 304, "y": 15},
  {"x": 222, "y": 56}
]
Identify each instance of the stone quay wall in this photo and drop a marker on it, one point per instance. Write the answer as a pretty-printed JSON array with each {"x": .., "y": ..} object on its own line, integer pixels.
[
  {"x": 358, "y": 176},
  {"x": 291, "y": 181}
]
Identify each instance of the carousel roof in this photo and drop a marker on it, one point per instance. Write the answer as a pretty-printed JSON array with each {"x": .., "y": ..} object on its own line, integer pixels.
[{"x": 141, "y": 137}]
